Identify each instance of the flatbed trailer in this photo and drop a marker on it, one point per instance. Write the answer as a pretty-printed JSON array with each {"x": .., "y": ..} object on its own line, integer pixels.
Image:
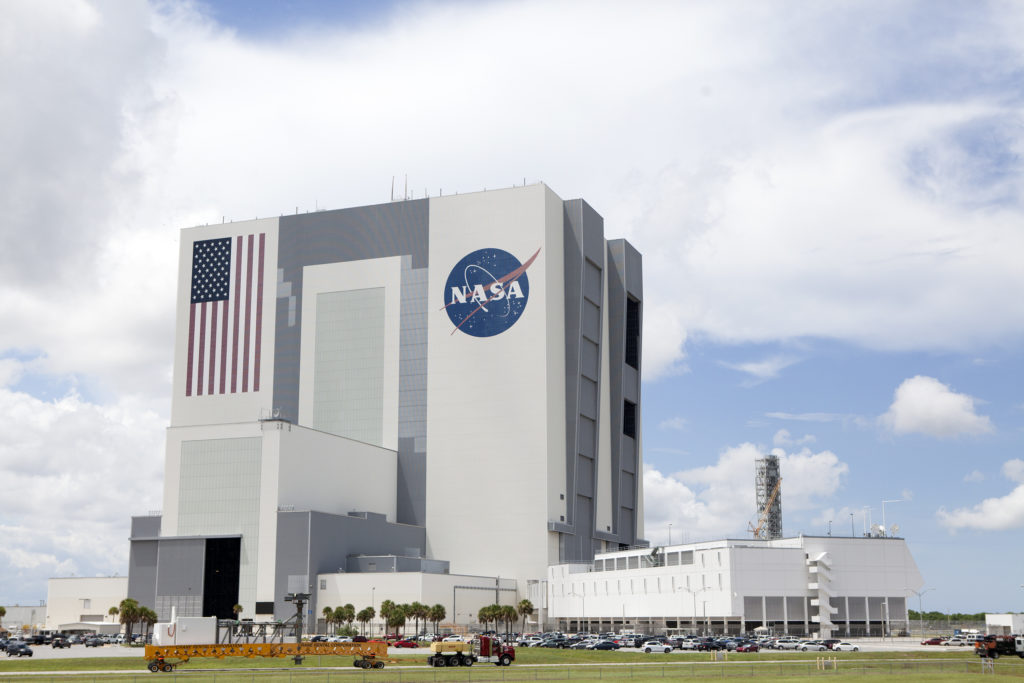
[{"x": 370, "y": 655}]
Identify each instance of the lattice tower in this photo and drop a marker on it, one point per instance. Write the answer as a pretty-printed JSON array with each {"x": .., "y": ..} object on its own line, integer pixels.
[{"x": 766, "y": 481}]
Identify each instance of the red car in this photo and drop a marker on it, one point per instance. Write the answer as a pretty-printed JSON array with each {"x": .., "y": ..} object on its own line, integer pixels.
[
  {"x": 405, "y": 643},
  {"x": 932, "y": 641},
  {"x": 748, "y": 647}
]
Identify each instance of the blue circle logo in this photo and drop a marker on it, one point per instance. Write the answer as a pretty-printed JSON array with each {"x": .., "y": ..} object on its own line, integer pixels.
[{"x": 487, "y": 291}]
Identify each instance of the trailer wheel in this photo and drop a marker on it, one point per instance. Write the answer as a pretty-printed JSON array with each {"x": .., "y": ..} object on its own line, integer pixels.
[
  {"x": 153, "y": 666},
  {"x": 467, "y": 661},
  {"x": 505, "y": 660},
  {"x": 378, "y": 665},
  {"x": 440, "y": 661},
  {"x": 167, "y": 668}
]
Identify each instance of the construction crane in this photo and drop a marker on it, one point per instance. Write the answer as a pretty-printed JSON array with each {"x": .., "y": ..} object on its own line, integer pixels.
[{"x": 766, "y": 512}]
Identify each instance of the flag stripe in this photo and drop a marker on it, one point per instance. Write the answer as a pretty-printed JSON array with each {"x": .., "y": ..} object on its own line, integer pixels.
[
  {"x": 191, "y": 347},
  {"x": 202, "y": 347},
  {"x": 259, "y": 315},
  {"x": 213, "y": 344},
  {"x": 248, "y": 311},
  {"x": 224, "y": 349},
  {"x": 238, "y": 304}
]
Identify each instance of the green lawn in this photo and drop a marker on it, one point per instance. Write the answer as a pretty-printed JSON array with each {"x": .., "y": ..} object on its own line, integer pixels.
[{"x": 552, "y": 665}]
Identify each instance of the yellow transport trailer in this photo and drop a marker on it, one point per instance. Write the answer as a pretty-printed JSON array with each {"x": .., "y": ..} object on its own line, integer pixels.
[{"x": 369, "y": 655}]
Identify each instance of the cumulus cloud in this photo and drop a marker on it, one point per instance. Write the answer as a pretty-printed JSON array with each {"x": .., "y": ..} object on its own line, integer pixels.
[
  {"x": 73, "y": 473},
  {"x": 718, "y": 500},
  {"x": 924, "y": 405},
  {"x": 974, "y": 476},
  {"x": 992, "y": 514}
]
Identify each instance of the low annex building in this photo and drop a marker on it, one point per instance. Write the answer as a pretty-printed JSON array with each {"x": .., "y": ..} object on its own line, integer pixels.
[{"x": 806, "y": 585}]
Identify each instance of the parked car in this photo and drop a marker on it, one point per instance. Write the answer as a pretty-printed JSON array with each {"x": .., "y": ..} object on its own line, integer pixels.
[
  {"x": 452, "y": 639},
  {"x": 18, "y": 650},
  {"x": 605, "y": 645},
  {"x": 94, "y": 642},
  {"x": 59, "y": 642},
  {"x": 749, "y": 646},
  {"x": 406, "y": 643},
  {"x": 845, "y": 647},
  {"x": 812, "y": 645},
  {"x": 956, "y": 641},
  {"x": 932, "y": 641},
  {"x": 830, "y": 642},
  {"x": 656, "y": 646},
  {"x": 358, "y": 639},
  {"x": 787, "y": 644}
]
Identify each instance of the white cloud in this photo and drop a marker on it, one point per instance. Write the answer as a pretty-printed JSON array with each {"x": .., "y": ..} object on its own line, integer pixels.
[
  {"x": 718, "y": 500},
  {"x": 784, "y": 438},
  {"x": 808, "y": 417},
  {"x": 974, "y": 476},
  {"x": 675, "y": 423},
  {"x": 73, "y": 473},
  {"x": 992, "y": 514},
  {"x": 763, "y": 370},
  {"x": 925, "y": 405}
]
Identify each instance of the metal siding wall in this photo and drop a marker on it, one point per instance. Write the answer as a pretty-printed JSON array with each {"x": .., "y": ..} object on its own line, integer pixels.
[
  {"x": 333, "y": 539},
  {"x": 142, "y": 565},
  {"x": 179, "y": 578},
  {"x": 394, "y": 229},
  {"x": 616, "y": 352}
]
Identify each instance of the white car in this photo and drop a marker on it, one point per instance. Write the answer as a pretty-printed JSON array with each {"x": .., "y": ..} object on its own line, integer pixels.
[
  {"x": 845, "y": 647},
  {"x": 656, "y": 646},
  {"x": 810, "y": 645},
  {"x": 787, "y": 644},
  {"x": 687, "y": 644},
  {"x": 956, "y": 641},
  {"x": 452, "y": 639}
]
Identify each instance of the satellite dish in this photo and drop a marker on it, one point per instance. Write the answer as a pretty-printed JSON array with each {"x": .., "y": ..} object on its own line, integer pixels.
[
  {"x": 876, "y": 530},
  {"x": 277, "y": 412},
  {"x": 894, "y": 529}
]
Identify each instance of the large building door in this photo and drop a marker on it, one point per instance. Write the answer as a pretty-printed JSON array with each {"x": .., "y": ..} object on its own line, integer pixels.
[{"x": 220, "y": 577}]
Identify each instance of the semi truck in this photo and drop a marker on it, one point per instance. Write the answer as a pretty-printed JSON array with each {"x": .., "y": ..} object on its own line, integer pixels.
[
  {"x": 997, "y": 646},
  {"x": 489, "y": 650}
]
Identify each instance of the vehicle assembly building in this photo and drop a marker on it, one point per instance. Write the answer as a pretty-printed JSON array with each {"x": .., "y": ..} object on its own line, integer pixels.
[
  {"x": 445, "y": 388},
  {"x": 438, "y": 401}
]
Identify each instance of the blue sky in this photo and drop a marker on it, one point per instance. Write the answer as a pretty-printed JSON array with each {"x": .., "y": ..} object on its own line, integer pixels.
[{"x": 828, "y": 197}]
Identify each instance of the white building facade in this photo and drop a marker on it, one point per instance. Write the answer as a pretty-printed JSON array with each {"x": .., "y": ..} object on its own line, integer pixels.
[
  {"x": 806, "y": 585},
  {"x": 437, "y": 387}
]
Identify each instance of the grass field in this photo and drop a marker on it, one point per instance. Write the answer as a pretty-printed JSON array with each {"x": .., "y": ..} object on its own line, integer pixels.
[{"x": 531, "y": 665}]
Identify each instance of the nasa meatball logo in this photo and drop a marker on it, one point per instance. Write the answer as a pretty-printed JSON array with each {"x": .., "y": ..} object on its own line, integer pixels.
[{"x": 487, "y": 291}]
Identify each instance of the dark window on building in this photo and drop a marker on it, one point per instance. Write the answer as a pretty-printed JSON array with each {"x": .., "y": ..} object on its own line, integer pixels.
[
  {"x": 629, "y": 419},
  {"x": 633, "y": 333},
  {"x": 264, "y": 608}
]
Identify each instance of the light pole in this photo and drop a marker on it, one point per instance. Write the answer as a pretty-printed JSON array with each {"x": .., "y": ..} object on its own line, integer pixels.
[
  {"x": 851, "y": 525},
  {"x": 693, "y": 593},
  {"x": 583, "y": 605},
  {"x": 670, "y": 533},
  {"x": 372, "y": 611},
  {"x": 920, "y": 609}
]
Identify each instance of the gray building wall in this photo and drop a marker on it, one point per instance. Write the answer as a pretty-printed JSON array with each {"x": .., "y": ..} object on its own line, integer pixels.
[
  {"x": 368, "y": 232},
  {"x": 311, "y": 543}
]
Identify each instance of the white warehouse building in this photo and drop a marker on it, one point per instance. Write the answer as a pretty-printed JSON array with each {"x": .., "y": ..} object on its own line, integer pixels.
[{"x": 806, "y": 585}]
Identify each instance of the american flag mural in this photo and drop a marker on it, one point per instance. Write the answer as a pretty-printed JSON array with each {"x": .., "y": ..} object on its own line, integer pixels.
[{"x": 225, "y": 315}]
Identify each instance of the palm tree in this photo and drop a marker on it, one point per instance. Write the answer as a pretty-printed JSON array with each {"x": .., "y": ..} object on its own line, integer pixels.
[
  {"x": 416, "y": 611},
  {"x": 364, "y": 617},
  {"x": 129, "y": 611},
  {"x": 349, "y": 614},
  {"x": 397, "y": 616},
  {"x": 486, "y": 615},
  {"x": 148, "y": 618},
  {"x": 437, "y": 614},
  {"x": 112, "y": 611},
  {"x": 338, "y": 616},
  {"x": 525, "y": 609},
  {"x": 237, "y": 609},
  {"x": 3, "y": 613},
  {"x": 509, "y": 613},
  {"x": 328, "y": 613}
]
